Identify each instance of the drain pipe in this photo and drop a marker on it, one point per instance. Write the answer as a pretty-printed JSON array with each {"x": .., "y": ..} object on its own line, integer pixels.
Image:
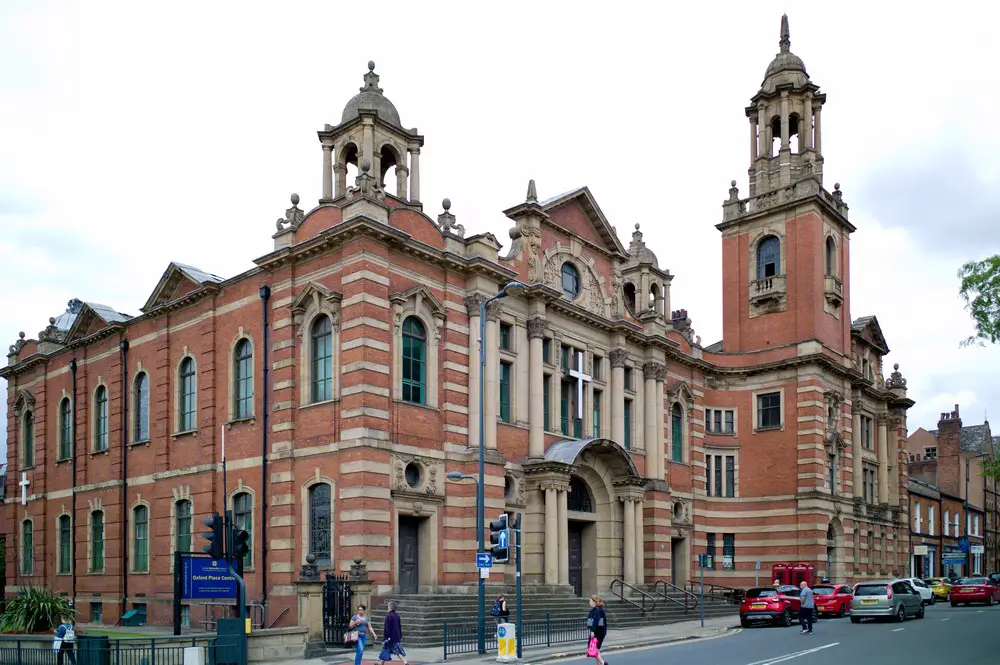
[
  {"x": 125, "y": 536},
  {"x": 72, "y": 540},
  {"x": 265, "y": 298}
]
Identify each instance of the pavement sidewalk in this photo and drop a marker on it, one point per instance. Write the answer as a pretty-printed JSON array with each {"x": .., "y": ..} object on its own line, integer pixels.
[{"x": 622, "y": 638}]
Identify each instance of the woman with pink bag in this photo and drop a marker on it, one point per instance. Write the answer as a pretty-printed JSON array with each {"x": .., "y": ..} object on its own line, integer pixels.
[{"x": 597, "y": 622}]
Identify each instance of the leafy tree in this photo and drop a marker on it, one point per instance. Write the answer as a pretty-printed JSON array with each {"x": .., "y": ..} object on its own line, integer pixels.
[
  {"x": 981, "y": 291},
  {"x": 34, "y": 610}
]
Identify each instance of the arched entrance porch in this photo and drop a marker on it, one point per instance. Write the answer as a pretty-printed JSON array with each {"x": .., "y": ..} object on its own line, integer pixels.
[{"x": 586, "y": 502}]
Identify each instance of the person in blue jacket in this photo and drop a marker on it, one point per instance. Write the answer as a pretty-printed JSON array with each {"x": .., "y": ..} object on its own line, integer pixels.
[
  {"x": 392, "y": 631},
  {"x": 65, "y": 641}
]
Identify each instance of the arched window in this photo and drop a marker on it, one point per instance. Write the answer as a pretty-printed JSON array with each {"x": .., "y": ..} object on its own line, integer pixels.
[
  {"x": 140, "y": 539},
  {"x": 578, "y": 499},
  {"x": 768, "y": 257},
  {"x": 101, "y": 419},
  {"x": 570, "y": 280},
  {"x": 187, "y": 401},
  {"x": 831, "y": 533},
  {"x": 831, "y": 256},
  {"x": 414, "y": 361},
  {"x": 28, "y": 440},
  {"x": 322, "y": 359},
  {"x": 65, "y": 538},
  {"x": 65, "y": 428},
  {"x": 243, "y": 519},
  {"x": 243, "y": 380},
  {"x": 320, "y": 523},
  {"x": 629, "y": 291},
  {"x": 97, "y": 541},
  {"x": 182, "y": 526},
  {"x": 140, "y": 426},
  {"x": 676, "y": 432},
  {"x": 27, "y": 548}
]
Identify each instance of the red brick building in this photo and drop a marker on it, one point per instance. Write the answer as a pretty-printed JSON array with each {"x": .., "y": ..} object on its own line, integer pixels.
[{"x": 343, "y": 369}]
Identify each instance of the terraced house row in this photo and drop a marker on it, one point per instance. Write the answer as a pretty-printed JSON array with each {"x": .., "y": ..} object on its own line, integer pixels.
[{"x": 343, "y": 370}]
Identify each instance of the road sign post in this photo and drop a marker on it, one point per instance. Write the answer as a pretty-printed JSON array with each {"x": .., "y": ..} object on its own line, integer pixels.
[
  {"x": 484, "y": 560},
  {"x": 517, "y": 577},
  {"x": 756, "y": 572},
  {"x": 702, "y": 563}
]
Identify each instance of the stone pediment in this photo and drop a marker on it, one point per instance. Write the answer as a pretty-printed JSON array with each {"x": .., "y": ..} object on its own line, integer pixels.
[
  {"x": 583, "y": 199},
  {"x": 868, "y": 329},
  {"x": 314, "y": 294},
  {"x": 423, "y": 297},
  {"x": 177, "y": 280}
]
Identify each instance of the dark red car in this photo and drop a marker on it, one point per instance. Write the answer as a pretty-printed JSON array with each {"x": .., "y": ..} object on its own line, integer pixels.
[
  {"x": 833, "y": 599},
  {"x": 974, "y": 590},
  {"x": 772, "y": 605}
]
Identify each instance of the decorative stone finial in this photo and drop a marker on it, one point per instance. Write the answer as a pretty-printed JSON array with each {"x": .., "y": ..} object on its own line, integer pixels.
[
  {"x": 293, "y": 216},
  {"x": 734, "y": 191},
  {"x": 837, "y": 194},
  {"x": 895, "y": 380},
  {"x": 310, "y": 559},
  {"x": 20, "y": 335},
  {"x": 446, "y": 221},
  {"x": 836, "y": 186},
  {"x": 532, "y": 196},
  {"x": 366, "y": 165},
  {"x": 785, "y": 43},
  {"x": 371, "y": 79},
  {"x": 309, "y": 571},
  {"x": 371, "y": 65},
  {"x": 52, "y": 320},
  {"x": 295, "y": 199},
  {"x": 732, "y": 183},
  {"x": 446, "y": 204}
]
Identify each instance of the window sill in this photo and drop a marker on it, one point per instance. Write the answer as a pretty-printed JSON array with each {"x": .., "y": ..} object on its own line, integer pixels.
[
  {"x": 400, "y": 402},
  {"x": 63, "y": 460},
  {"x": 139, "y": 572},
  {"x": 250, "y": 420},
  {"x": 139, "y": 444},
  {"x": 714, "y": 433},
  {"x": 95, "y": 572},
  {"x": 772, "y": 428},
  {"x": 64, "y": 574},
  {"x": 320, "y": 403},
  {"x": 95, "y": 453},
  {"x": 189, "y": 432}
]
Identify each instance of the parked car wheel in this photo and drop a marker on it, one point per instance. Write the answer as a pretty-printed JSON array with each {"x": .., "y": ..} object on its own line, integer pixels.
[
  {"x": 901, "y": 615},
  {"x": 989, "y": 601},
  {"x": 744, "y": 622},
  {"x": 845, "y": 609},
  {"x": 920, "y": 614},
  {"x": 786, "y": 618},
  {"x": 855, "y": 619},
  {"x": 954, "y": 604}
]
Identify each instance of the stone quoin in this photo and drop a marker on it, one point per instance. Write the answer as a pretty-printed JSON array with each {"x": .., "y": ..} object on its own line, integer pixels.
[{"x": 783, "y": 442}]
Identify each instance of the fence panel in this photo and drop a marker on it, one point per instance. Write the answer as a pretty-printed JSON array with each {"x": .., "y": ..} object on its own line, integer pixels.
[{"x": 463, "y": 637}]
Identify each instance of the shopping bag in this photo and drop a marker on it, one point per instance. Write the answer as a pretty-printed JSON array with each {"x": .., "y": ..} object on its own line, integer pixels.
[
  {"x": 386, "y": 653},
  {"x": 592, "y": 648},
  {"x": 57, "y": 644},
  {"x": 350, "y": 637}
]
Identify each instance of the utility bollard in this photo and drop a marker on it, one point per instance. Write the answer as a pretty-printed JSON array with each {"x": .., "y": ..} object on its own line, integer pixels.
[{"x": 507, "y": 643}]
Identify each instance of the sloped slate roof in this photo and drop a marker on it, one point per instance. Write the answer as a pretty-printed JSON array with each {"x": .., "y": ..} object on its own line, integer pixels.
[
  {"x": 199, "y": 276},
  {"x": 971, "y": 438}
]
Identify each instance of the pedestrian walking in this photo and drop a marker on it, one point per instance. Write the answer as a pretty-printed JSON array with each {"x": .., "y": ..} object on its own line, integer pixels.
[
  {"x": 500, "y": 611},
  {"x": 597, "y": 622},
  {"x": 361, "y": 627},
  {"x": 776, "y": 584},
  {"x": 392, "y": 631},
  {"x": 806, "y": 608},
  {"x": 65, "y": 641}
]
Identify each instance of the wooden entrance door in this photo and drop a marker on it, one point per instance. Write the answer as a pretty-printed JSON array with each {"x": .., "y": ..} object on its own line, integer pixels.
[
  {"x": 576, "y": 558},
  {"x": 676, "y": 556},
  {"x": 409, "y": 555}
]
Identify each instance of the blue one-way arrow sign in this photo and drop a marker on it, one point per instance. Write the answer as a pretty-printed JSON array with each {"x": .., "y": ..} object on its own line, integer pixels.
[
  {"x": 502, "y": 539},
  {"x": 484, "y": 560}
]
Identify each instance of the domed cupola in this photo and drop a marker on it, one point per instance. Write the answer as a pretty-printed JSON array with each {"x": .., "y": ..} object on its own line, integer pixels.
[
  {"x": 371, "y": 99},
  {"x": 786, "y": 68}
]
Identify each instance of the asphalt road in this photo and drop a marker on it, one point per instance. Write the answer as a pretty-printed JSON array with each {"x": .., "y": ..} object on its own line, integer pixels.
[{"x": 963, "y": 636}]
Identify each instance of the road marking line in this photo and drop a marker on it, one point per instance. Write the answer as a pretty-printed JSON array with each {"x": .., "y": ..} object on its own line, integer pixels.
[
  {"x": 896, "y": 630},
  {"x": 948, "y": 619},
  {"x": 791, "y": 656}
]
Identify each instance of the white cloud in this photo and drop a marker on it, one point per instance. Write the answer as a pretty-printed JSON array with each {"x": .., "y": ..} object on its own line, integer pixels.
[{"x": 148, "y": 133}]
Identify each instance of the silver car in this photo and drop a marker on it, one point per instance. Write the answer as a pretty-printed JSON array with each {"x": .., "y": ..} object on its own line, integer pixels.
[{"x": 893, "y": 599}]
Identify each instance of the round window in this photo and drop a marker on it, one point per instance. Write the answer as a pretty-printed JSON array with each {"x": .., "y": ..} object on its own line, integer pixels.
[
  {"x": 413, "y": 474},
  {"x": 570, "y": 280}
]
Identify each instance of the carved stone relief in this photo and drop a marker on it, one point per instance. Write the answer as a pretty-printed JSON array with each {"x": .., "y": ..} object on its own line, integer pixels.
[{"x": 413, "y": 475}]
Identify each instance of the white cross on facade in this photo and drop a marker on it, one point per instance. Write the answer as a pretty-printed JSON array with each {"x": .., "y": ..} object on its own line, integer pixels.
[
  {"x": 24, "y": 488},
  {"x": 580, "y": 377}
]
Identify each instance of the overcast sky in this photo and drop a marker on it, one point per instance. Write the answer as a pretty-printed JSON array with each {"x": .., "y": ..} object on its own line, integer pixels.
[{"x": 138, "y": 133}]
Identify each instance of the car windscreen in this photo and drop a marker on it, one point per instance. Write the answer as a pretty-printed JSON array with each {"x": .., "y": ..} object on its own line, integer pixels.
[
  {"x": 823, "y": 590},
  {"x": 972, "y": 580},
  {"x": 761, "y": 593},
  {"x": 870, "y": 590}
]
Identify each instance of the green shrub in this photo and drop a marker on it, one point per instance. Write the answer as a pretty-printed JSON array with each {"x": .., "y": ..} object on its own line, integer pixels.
[{"x": 34, "y": 610}]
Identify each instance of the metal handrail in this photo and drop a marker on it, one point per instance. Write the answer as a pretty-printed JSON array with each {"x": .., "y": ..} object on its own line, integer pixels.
[
  {"x": 727, "y": 594},
  {"x": 687, "y": 595},
  {"x": 642, "y": 594}
]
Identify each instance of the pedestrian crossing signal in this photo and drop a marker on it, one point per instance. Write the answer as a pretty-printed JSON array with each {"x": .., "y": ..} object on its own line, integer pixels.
[{"x": 500, "y": 539}]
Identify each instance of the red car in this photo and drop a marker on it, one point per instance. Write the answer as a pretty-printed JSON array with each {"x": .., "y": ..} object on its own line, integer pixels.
[
  {"x": 778, "y": 606},
  {"x": 974, "y": 590},
  {"x": 833, "y": 599}
]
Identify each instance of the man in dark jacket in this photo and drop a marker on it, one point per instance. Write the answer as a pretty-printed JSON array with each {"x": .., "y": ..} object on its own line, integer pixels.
[{"x": 393, "y": 633}]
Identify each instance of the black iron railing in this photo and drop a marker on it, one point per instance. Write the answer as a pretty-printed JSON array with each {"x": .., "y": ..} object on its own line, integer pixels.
[
  {"x": 671, "y": 591},
  {"x": 91, "y": 650},
  {"x": 646, "y": 602},
  {"x": 337, "y": 595},
  {"x": 463, "y": 637},
  {"x": 718, "y": 592}
]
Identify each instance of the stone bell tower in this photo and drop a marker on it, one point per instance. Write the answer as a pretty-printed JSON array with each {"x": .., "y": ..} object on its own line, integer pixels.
[
  {"x": 785, "y": 130},
  {"x": 370, "y": 133},
  {"x": 785, "y": 248}
]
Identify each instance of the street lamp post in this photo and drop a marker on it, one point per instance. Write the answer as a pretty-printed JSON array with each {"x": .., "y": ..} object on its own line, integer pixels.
[{"x": 480, "y": 484}]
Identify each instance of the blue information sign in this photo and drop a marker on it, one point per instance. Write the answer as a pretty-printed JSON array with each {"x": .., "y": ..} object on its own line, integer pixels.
[
  {"x": 206, "y": 578},
  {"x": 503, "y": 539},
  {"x": 484, "y": 560}
]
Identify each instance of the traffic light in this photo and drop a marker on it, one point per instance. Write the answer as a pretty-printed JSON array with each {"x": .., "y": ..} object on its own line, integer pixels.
[
  {"x": 500, "y": 539},
  {"x": 214, "y": 537},
  {"x": 241, "y": 544}
]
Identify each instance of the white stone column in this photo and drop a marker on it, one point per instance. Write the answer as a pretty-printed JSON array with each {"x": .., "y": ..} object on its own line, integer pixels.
[
  {"x": 401, "y": 181},
  {"x": 753, "y": 140},
  {"x": 617, "y": 359},
  {"x": 414, "y": 175},
  {"x": 818, "y": 130},
  {"x": 857, "y": 438},
  {"x": 563, "y": 495},
  {"x": 341, "y": 171},
  {"x": 764, "y": 148},
  {"x": 472, "y": 303},
  {"x": 660, "y": 438},
  {"x": 805, "y": 129},
  {"x": 588, "y": 411},
  {"x": 893, "y": 460},
  {"x": 784, "y": 121},
  {"x": 650, "y": 411},
  {"x": 536, "y": 388},
  {"x": 883, "y": 460},
  {"x": 639, "y": 417},
  {"x": 327, "y": 171},
  {"x": 368, "y": 147},
  {"x": 551, "y": 537},
  {"x": 640, "y": 545},
  {"x": 628, "y": 518},
  {"x": 491, "y": 407}
]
